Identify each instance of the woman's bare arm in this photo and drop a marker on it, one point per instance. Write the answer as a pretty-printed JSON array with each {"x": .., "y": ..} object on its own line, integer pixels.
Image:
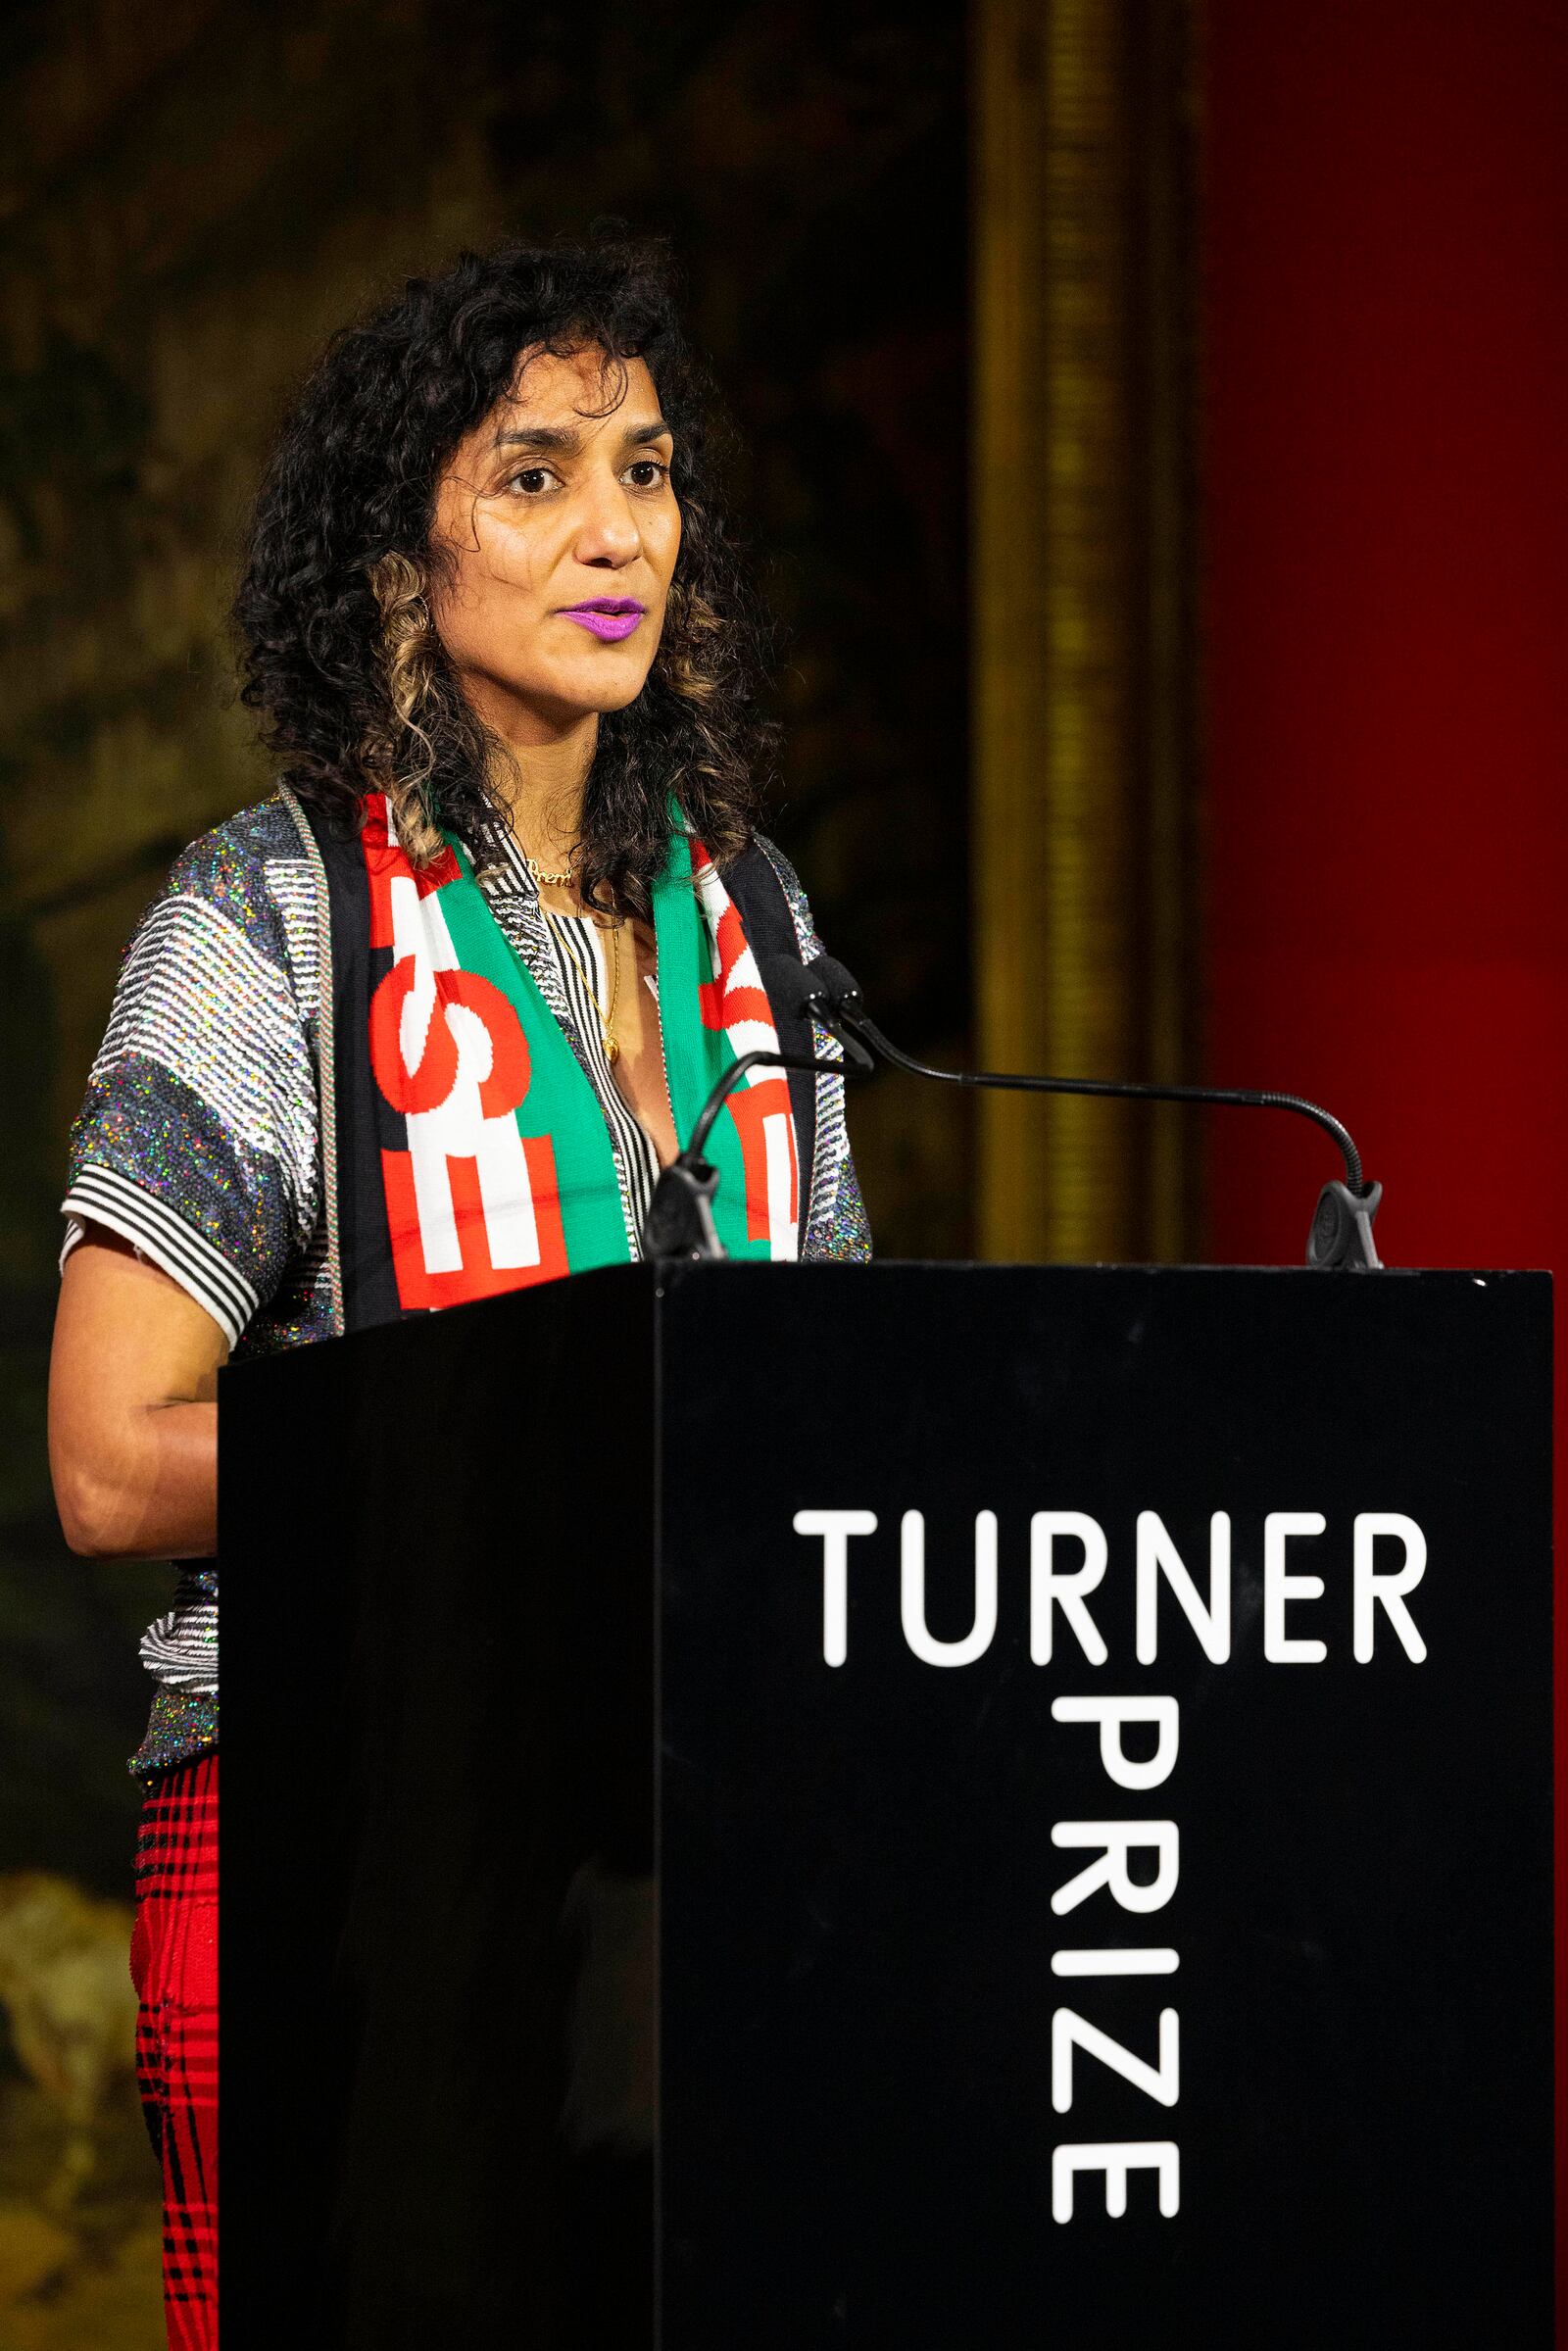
[{"x": 133, "y": 1410}]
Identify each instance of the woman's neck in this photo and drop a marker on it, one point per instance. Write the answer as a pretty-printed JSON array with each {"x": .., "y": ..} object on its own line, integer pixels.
[{"x": 540, "y": 779}]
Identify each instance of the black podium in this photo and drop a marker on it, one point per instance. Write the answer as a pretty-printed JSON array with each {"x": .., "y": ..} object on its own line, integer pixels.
[{"x": 906, "y": 1807}]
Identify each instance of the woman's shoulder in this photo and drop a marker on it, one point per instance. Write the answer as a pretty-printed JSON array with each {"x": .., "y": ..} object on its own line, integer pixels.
[
  {"x": 239, "y": 863},
  {"x": 246, "y": 885}
]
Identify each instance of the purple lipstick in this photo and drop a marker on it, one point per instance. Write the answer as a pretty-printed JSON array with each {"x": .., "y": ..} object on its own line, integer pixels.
[{"x": 609, "y": 617}]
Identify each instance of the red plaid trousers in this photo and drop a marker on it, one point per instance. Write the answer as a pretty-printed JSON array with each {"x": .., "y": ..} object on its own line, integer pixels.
[{"x": 173, "y": 1961}]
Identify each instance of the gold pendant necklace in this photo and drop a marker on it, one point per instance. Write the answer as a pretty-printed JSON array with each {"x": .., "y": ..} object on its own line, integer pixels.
[
  {"x": 607, "y": 1019},
  {"x": 561, "y": 881}
]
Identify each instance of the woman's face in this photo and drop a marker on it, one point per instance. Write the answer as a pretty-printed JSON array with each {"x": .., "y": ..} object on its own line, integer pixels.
[{"x": 544, "y": 514}]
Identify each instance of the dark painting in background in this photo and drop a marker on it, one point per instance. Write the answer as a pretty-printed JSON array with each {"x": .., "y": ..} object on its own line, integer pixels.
[{"x": 192, "y": 197}]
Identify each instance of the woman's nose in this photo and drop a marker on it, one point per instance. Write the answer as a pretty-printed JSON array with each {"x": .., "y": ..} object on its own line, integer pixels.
[{"x": 607, "y": 528}]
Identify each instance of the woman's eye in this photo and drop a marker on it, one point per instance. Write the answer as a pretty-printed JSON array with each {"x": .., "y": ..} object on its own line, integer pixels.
[
  {"x": 649, "y": 465},
  {"x": 528, "y": 477}
]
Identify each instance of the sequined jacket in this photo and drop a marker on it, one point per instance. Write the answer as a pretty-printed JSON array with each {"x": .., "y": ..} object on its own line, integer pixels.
[{"x": 202, "y": 1137}]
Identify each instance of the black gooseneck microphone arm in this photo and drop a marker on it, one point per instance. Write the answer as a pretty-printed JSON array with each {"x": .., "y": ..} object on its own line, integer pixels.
[
  {"x": 1341, "y": 1223},
  {"x": 679, "y": 1222},
  {"x": 1133, "y": 1091},
  {"x": 680, "y": 1219}
]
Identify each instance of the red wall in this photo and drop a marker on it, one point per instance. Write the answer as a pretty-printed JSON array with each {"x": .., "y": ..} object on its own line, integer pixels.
[{"x": 1387, "y": 511}]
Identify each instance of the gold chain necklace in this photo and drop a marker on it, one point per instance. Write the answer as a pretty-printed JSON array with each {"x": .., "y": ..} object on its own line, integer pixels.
[
  {"x": 607, "y": 1019},
  {"x": 561, "y": 881}
]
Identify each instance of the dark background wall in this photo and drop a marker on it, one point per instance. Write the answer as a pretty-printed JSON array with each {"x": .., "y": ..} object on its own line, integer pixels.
[{"x": 194, "y": 196}]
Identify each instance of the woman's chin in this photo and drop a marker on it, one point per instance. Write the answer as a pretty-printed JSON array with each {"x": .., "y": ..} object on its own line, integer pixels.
[{"x": 609, "y": 685}]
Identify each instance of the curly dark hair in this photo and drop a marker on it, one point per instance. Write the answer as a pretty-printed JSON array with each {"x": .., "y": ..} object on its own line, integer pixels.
[{"x": 337, "y": 657}]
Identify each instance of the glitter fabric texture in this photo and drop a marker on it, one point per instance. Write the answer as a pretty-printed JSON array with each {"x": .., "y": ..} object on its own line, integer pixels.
[
  {"x": 200, "y": 1141},
  {"x": 178, "y": 1727},
  {"x": 197, "y": 1139}
]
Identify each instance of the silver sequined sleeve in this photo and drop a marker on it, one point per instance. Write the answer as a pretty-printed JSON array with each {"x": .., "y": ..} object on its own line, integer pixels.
[{"x": 198, "y": 1138}]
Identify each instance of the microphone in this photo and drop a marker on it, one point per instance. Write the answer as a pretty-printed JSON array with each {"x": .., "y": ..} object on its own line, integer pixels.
[
  {"x": 1342, "y": 1222},
  {"x": 798, "y": 991}
]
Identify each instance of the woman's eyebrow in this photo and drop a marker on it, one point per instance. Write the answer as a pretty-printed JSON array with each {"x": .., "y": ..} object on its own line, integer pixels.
[
  {"x": 560, "y": 440},
  {"x": 565, "y": 439}
]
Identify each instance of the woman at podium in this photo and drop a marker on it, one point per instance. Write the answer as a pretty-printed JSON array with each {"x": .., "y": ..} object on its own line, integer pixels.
[{"x": 424, "y": 1024}]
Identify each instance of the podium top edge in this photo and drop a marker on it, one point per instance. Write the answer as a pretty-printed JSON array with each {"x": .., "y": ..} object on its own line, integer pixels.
[
  {"x": 645, "y": 1289},
  {"x": 1155, "y": 1265},
  {"x": 1113, "y": 1269}
]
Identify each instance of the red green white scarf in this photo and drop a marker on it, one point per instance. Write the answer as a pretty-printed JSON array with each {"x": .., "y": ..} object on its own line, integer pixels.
[{"x": 496, "y": 1159}]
